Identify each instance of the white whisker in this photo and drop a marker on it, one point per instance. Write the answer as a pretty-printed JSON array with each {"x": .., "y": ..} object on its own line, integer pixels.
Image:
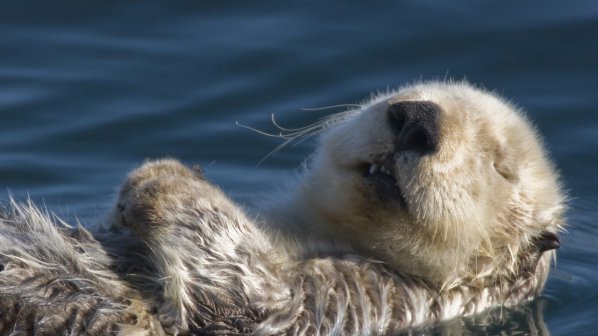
[{"x": 300, "y": 134}]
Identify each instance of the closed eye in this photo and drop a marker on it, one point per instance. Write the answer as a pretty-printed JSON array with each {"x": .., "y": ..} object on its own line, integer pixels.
[{"x": 506, "y": 172}]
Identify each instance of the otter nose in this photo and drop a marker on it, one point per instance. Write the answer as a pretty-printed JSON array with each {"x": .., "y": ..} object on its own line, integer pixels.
[{"x": 416, "y": 125}]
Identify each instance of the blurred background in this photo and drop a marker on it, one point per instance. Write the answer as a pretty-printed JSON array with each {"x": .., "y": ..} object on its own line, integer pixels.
[{"x": 90, "y": 90}]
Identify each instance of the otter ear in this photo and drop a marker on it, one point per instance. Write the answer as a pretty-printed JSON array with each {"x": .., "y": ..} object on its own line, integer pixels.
[{"x": 547, "y": 241}]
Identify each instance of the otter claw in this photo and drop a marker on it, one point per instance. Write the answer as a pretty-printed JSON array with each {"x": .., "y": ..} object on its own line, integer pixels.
[{"x": 548, "y": 241}]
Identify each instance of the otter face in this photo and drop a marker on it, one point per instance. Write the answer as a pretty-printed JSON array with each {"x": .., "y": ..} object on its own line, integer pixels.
[{"x": 440, "y": 180}]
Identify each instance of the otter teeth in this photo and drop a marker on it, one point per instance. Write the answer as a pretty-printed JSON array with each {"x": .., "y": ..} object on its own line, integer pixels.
[
  {"x": 384, "y": 170},
  {"x": 375, "y": 168}
]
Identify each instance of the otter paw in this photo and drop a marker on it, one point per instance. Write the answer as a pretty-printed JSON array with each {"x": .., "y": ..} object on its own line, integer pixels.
[
  {"x": 158, "y": 169},
  {"x": 154, "y": 204},
  {"x": 152, "y": 194}
]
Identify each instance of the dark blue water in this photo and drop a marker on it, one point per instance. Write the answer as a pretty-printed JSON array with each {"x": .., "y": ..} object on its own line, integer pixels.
[{"x": 88, "y": 91}]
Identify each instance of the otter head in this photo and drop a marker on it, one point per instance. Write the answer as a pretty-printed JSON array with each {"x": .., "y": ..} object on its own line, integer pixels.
[{"x": 440, "y": 180}]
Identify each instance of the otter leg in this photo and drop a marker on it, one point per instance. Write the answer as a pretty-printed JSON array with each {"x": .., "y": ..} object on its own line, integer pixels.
[{"x": 211, "y": 262}]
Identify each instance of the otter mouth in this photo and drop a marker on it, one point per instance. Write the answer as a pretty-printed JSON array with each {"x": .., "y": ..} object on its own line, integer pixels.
[{"x": 381, "y": 177}]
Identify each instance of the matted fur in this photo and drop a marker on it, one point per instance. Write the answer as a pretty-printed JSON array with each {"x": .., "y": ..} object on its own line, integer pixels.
[
  {"x": 176, "y": 256},
  {"x": 59, "y": 280}
]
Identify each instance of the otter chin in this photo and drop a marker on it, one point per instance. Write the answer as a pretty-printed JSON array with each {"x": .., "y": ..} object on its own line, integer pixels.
[{"x": 440, "y": 180}]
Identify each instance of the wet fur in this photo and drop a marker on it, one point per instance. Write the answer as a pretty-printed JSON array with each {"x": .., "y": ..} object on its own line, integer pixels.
[{"x": 175, "y": 255}]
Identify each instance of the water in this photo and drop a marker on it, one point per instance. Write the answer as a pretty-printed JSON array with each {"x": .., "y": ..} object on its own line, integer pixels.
[{"x": 88, "y": 91}]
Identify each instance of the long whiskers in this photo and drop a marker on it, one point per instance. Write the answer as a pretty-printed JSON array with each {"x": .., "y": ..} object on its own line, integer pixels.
[
  {"x": 350, "y": 106},
  {"x": 300, "y": 134}
]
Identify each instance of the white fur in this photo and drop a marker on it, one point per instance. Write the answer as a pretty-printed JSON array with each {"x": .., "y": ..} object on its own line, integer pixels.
[{"x": 329, "y": 257}]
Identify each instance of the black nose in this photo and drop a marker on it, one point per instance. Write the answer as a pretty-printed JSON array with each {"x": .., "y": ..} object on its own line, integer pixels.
[{"x": 416, "y": 125}]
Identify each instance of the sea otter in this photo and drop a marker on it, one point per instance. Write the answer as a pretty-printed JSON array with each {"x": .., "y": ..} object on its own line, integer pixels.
[{"x": 423, "y": 204}]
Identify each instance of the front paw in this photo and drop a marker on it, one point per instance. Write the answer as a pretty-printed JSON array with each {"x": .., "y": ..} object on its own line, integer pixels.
[
  {"x": 155, "y": 170},
  {"x": 151, "y": 193}
]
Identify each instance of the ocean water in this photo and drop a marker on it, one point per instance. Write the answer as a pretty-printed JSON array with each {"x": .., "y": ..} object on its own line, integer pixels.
[{"x": 88, "y": 90}]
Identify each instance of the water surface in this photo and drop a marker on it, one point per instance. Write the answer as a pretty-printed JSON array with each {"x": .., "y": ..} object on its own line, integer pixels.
[{"x": 88, "y": 91}]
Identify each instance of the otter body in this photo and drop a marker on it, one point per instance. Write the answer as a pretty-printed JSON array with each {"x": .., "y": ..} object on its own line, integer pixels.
[{"x": 424, "y": 204}]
